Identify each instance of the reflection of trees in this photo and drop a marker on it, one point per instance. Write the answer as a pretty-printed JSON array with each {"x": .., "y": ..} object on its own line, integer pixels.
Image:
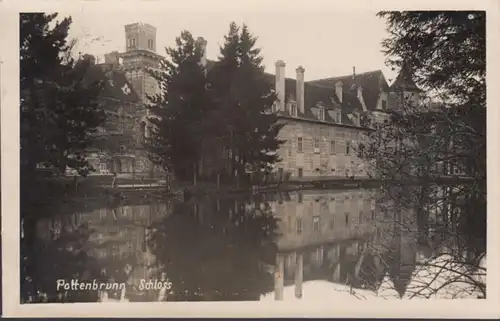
[
  {"x": 212, "y": 251},
  {"x": 436, "y": 241},
  {"x": 104, "y": 244},
  {"x": 64, "y": 256}
]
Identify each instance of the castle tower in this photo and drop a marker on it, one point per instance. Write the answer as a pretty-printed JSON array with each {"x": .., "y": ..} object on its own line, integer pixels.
[
  {"x": 139, "y": 57},
  {"x": 404, "y": 91}
]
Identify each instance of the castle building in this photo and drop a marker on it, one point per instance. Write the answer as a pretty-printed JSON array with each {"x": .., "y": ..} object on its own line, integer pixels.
[
  {"x": 119, "y": 145},
  {"x": 325, "y": 119}
]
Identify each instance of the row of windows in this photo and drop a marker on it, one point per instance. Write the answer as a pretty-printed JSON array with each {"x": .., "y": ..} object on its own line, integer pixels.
[
  {"x": 132, "y": 43},
  {"x": 292, "y": 110},
  {"x": 316, "y": 144},
  {"x": 317, "y": 219}
]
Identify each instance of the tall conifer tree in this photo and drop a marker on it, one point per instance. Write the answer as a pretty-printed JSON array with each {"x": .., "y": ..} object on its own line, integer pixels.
[
  {"x": 244, "y": 97},
  {"x": 59, "y": 108},
  {"x": 181, "y": 107}
]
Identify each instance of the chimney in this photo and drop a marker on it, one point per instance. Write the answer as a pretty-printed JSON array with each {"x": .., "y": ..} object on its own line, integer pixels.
[
  {"x": 89, "y": 58},
  {"x": 203, "y": 45},
  {"x": 300, "y": 88},
  {"x": 339, "y": 90},
  {"x": 112, "y": 58},
  {"x": 280, "y": 84}
]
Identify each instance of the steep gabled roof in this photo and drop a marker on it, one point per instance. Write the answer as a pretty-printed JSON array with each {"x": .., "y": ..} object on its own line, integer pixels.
[
  {"x": 322, "y": 92},
  {"x": 372, "y": 83},
  {"x": 404, "y": 81}
]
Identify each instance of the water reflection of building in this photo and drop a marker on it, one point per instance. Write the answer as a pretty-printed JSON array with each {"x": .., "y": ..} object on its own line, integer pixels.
[
  {"x": 340, "y": 237},
  {"x": 117, "y": 237}
]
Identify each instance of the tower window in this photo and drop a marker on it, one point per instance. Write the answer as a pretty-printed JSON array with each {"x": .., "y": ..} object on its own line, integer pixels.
[
  {"x": 150, "y": 44},
  {"x": 384, "y": 104},
  {"x": 131, "y": 42}
]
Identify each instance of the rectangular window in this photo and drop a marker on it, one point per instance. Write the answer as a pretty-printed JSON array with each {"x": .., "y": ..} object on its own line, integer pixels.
[
  {"x": 384, "y": 104},
  {"x": 321, "y": 114},
  {"x": 293, "y": 109},
  {"x": 360, "y": 217},
  {"x": 332, "y": 223},
  {"x": 316, "y": 223},
  {"x": 131, "y": 42},
  {"x": 332, "y": 147},
  {"x": 300, "y": 197},
  {"x": 346, "y": 219},
  {"x": 299, "y": 144},
  {"x": 301, "y": 172},
  {"x": 348, "y": 148},
  {"x": 316, "y": 145},
  {"x": 102, "y": 167},
  {"x": 299, "y": 226},
  {"x": 337, "y": 117}
]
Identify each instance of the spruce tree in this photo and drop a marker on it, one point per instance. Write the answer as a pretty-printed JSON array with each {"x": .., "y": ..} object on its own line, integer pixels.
[
  {"x": 59, "y": 108},
  {"x": 181, "y": 107},
  {"x": 243, "y": 98}
]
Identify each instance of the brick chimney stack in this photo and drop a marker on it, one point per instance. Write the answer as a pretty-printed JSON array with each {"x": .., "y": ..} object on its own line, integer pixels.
[
  {"x": 339, "y": 90},
  {"x": 300, "y": 88},
  {"x": 280, "y": 84}
]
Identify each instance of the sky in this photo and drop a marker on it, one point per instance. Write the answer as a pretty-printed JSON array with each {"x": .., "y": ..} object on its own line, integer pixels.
[{"x": 326, "y": 44}]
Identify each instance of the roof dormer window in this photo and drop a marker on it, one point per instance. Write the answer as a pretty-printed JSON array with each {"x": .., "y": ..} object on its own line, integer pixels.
[
  {"x": 292, "y": 109},
  {"x": 321, "y": 114},
  {"x": 356, "y": 118},
  {"x": 334, "y": 115}
]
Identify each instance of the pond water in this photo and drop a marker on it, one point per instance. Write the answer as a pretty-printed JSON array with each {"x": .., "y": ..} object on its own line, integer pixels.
[{"x": 301, "y": 245}]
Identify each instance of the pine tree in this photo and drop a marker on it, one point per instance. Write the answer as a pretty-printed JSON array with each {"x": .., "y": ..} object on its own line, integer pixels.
[
  {"x": 243, "y": 98},
  {"x": 181, "y": 107},
  {"x": 59, "y": 108}
]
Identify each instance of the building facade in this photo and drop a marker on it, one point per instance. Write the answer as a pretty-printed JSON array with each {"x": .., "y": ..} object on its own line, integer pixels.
[
  {"x": 325, "y": 120},
  {"x": 119, "y": 145}
]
